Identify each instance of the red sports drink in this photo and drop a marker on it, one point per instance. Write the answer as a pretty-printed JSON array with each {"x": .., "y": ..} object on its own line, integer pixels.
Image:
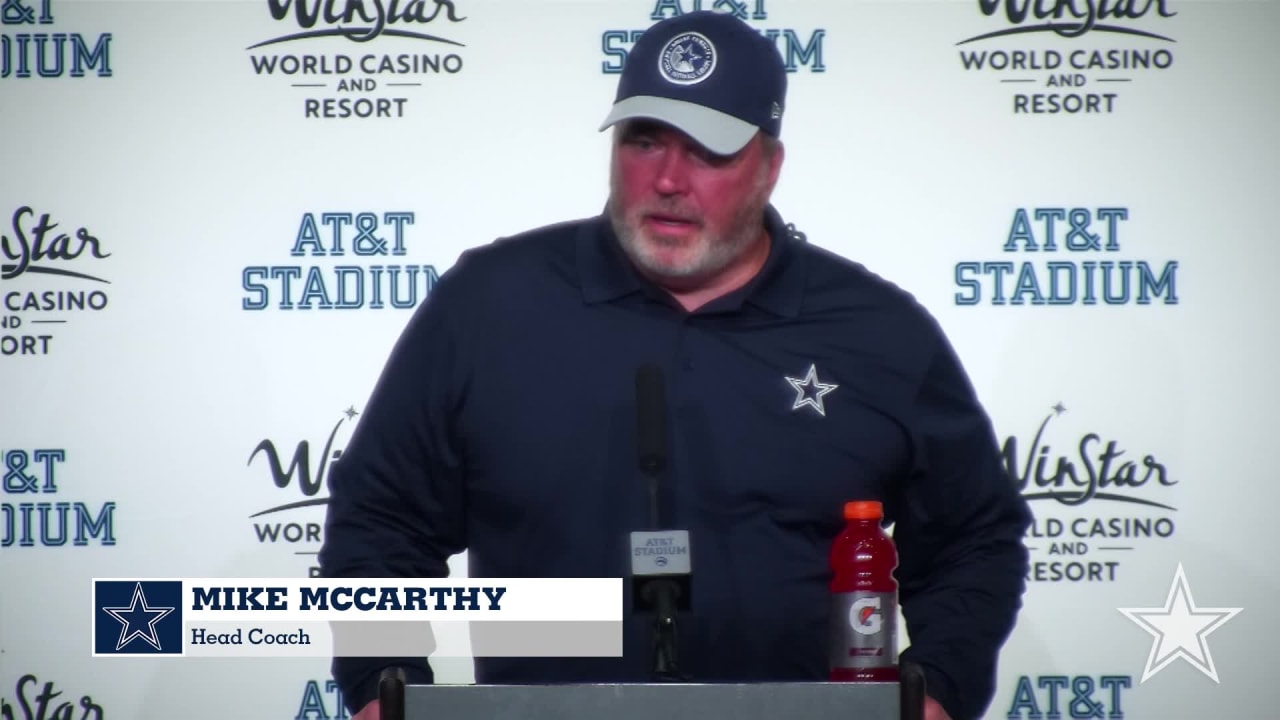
[{"x": 864, "y": 598}]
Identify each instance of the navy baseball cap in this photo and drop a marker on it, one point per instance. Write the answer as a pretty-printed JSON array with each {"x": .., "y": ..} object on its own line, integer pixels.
[{"x": 707, "y": 73}]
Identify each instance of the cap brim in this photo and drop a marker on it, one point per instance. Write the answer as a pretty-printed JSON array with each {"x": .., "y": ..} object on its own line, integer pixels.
[{"x": 720, "y": 133}]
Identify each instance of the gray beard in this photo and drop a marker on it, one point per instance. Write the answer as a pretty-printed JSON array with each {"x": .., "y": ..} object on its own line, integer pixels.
[{"x": 716, "y": 254}]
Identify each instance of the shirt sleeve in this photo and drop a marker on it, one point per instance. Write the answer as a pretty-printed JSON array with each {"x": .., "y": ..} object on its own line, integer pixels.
[
  {"x": 396, "y": 494},
  {"x": 959, "y": 529}
]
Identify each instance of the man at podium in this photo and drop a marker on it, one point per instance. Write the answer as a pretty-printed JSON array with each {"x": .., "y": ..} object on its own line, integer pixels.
[{"x": 685, "y": 360}]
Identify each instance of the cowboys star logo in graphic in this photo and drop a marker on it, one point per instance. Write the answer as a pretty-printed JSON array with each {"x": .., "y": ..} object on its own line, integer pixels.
[
  {"x": 137, "y": 617},
  {"x": 810, "y": 391},
  {"x": 138, "y": 620}
]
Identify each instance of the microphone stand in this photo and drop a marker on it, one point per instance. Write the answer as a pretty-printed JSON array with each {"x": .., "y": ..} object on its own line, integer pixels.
[
  {"x": 661, "y": 594},
  {"x": 666, "y": 665}
]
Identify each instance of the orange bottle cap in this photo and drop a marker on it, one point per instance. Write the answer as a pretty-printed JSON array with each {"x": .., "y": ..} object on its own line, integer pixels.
[{"x": 863, "y": 510}]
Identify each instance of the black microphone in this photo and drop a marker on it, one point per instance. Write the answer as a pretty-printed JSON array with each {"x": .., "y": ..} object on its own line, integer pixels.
[
  {"x": 651, "y": 433},
  {"x": 660, "y": 560}
]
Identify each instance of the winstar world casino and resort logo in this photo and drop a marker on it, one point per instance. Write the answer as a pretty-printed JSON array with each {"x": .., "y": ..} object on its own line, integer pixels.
[
  {"x": 1097, "y": 503},
  {"x": 1069, "y": 57},
  {"x": 34, "y": 700},
  {"x": 298, "y": 522},
  {"x": 50, "y": 278},
  {"x": 800, "y": 49},
  {"x": 360, "y": 59},
  {"x": 33, "y": 45}
]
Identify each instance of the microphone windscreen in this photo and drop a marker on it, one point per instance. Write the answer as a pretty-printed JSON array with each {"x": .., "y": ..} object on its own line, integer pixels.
[{"x": 651, "y": 418}]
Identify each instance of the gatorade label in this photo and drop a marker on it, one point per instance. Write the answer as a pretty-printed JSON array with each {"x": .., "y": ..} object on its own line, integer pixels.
[{"x": 864, "y": 630}]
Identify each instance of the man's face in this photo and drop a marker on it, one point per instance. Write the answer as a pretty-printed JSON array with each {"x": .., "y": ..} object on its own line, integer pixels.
[{"x": 683, "y": 214}]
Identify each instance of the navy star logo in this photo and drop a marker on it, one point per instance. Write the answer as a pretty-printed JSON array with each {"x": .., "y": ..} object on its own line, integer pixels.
[
  {"x": 810, "y": 391},
  {"x": 138, "y": 622},
  {"x": 350, "y": 412},
  {"x": 1059, "y": 409}
]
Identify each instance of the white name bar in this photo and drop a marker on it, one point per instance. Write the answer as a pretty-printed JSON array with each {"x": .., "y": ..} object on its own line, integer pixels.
[{"x": 206, "y": 600}]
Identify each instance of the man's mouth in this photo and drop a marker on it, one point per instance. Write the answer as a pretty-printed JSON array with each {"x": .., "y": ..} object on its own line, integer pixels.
[{"x": 665, "y": 220}]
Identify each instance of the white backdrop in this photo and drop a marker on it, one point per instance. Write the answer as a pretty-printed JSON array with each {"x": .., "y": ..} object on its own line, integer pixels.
[{"x": 192, "y": 176}]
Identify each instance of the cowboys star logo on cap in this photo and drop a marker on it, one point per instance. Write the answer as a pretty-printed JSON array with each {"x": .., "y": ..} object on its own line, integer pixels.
[
  {"x": 687, "y": 58},
  {"x": 708, "y": 74}
]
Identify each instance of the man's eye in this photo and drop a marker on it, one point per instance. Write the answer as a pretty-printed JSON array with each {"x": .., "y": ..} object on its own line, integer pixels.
[{"x": 713, "y": 160}]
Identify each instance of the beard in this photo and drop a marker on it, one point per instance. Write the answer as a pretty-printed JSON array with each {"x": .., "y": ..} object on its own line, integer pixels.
[{"x": 696, "y": 258}]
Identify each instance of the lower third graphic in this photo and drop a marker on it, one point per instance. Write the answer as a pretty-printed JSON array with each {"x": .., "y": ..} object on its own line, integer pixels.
[{"x": 137, "y": 617}]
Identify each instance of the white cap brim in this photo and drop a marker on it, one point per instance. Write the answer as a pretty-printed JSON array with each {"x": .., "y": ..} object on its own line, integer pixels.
[{"x": 720, "y": 133}]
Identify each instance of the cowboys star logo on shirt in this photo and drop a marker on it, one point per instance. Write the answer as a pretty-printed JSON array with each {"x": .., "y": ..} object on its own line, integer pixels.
[
  {"x": 810, "y": 391},
  {"x": 687, "y": 59}
]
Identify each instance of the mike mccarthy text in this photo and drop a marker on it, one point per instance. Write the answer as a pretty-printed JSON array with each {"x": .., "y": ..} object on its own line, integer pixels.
[{"x": 365, "y": 598}]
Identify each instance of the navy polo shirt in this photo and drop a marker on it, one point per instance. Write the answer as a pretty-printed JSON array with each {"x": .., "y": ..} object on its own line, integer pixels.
[{"x": 504, "y": 424}]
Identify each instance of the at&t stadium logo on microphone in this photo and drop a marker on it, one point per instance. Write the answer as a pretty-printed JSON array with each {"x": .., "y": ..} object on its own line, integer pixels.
[
  {"x": 342, "y": 260},
  {"x": 1064, "y": 57},
  {"x": 352, "y": 59},
  {"x": 800, "y": 50},
  {"x": 50, "y": 277},
  {"x": 29, "y": 50}
]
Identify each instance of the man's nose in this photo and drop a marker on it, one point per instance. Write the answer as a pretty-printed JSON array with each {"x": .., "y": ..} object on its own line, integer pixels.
[{"x": 673, "y": 172}]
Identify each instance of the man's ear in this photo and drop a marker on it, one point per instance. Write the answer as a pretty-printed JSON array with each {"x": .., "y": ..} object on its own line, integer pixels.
[{"x": 775, "y": 157}]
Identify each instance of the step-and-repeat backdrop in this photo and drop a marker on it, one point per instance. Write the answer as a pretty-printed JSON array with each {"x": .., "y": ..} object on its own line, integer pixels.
[{"x": 218, "y": 216}]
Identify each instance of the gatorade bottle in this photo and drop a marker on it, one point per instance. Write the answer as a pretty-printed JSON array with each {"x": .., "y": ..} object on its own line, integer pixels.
[{"x": 864, "y": 598}]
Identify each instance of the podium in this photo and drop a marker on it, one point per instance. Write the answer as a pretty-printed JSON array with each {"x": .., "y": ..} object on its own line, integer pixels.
[{"x": 902, "y": 700}]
